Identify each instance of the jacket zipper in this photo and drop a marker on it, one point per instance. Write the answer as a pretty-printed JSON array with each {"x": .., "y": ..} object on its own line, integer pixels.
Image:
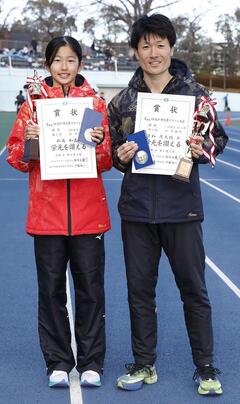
[
  {"x": 69, "y": 217},
  {"x": 154, "y": 200},
  {"x": 69, "y": 207}
]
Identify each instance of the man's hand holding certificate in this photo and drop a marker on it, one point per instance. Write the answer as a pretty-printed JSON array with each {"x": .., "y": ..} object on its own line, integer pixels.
[{"x": 142, "y": 157}]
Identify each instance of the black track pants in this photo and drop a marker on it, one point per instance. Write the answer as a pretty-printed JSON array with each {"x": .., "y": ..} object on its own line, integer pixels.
[
  {"x": 182, "y": 243},
  {"x": 86, "y": 257}
]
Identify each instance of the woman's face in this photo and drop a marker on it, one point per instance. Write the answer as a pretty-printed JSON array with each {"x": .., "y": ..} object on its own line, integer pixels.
[{"x": 65, "y": 66}]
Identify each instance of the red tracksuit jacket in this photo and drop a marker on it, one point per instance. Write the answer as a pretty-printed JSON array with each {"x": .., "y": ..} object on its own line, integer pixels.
[{"x": 63, "y": 207}]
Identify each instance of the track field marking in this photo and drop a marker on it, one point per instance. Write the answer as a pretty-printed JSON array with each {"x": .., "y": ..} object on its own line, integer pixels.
[
  {"x": 222, "y": 180},
  {"x": 13, "y": 179},
  {"x": 75, "y": 389},
  {"x": 224, "y": 277},
  {"x": 228, "y": 164},
  {"x": 112, "y": 179},
  {"x": 3, "y": 150},
  {"x": 232, "y": 119},
  {"x": 220, "y": 190},
  {"x": 234, "y": 140},
  {"x": 232, "y": 149}
]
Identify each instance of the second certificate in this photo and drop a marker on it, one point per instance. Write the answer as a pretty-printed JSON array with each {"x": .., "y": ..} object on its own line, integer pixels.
[{"x": 167, "y": 120}]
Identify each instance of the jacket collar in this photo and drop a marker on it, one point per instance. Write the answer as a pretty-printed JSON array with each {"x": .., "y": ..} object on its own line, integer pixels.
[
  {"x": 178, "y": 69},
  {"x": 78, "y": 82},
  {"x": 81, "y": 88}
]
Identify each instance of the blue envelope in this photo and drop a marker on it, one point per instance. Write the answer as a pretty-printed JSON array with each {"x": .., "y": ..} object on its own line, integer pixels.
[
  {"x": 142, "y": 157},
  {"x": 91, "y": 119}
]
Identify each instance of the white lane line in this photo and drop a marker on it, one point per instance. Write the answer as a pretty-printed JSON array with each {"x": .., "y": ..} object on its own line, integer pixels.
[
  {"x": 13, "y": 179},
  {"x": 224, "y": 277},
  {"x": 75, "y": 389},
  {"x": 232, "y": 119},
  {"x": 233, "y": 149},
  {"x": 3, "y": 150},
  {"x": 112, "y": 179},
  {"x": 26, "y": 179},
  {"x": 222, "y": 179},
  {"x": 220, "y": 190},
  {"x": 228, "y": 164},
  {"x": 234, "y": 140}
]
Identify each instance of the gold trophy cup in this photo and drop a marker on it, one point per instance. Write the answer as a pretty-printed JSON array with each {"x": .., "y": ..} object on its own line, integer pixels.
[
  {"x": 200, "y": 125},
  {"x": 31, "y": 146}
]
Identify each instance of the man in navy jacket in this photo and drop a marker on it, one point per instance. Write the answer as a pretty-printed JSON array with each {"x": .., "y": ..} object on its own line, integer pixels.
[{"x": 159, "y": 212}]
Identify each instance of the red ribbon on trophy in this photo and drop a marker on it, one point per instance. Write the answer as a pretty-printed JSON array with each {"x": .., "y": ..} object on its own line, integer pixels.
[
  {"x": 201, "y": 123},
  {"x": 208, "y": 103},
  {"x": 36, "y": 90}
]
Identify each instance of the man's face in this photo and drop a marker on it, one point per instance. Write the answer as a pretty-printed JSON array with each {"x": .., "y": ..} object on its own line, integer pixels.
[{"x": 154, "y": 54}]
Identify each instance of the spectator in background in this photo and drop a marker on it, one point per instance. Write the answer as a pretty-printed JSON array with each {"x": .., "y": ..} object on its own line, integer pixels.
[
  {"x": 34, "y": 46},
  {"x": 108, "y": 53},
  {"x": 24, "y": 51},
  {"x": 25, "y": 87},
  {"x": 101, "y": 95},
  {"x": 226, "y": 106},
  {"x": 39, "y": 50},
  {"x": 19, "y": 100}
]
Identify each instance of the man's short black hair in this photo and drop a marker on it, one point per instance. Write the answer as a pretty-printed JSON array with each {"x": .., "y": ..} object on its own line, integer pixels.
[{"x": 155, "y": 24}]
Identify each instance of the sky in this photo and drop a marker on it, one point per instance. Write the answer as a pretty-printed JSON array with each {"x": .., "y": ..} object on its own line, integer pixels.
[{"x": 189, "y": 8}]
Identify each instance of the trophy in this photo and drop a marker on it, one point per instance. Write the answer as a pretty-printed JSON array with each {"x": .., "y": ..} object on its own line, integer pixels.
[
  {"x": 31, "y": 146},
  {"x": 200, "y": 125}
]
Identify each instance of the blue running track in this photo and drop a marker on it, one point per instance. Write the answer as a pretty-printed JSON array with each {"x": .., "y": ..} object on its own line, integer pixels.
[{"x": 22, "y": 374}]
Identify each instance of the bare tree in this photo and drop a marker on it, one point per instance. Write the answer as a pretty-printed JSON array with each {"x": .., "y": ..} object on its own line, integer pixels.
[
  {"x": 5, "y": 21},
  {"x": 49, "y": 18},
  {"x": 123, "y": 13},
  {"x": 229, "y": 27},
  {"x": 190, "y": 40}
]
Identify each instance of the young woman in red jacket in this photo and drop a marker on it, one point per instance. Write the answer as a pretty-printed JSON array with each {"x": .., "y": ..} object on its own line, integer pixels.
[{"x": 68, "y": 219}]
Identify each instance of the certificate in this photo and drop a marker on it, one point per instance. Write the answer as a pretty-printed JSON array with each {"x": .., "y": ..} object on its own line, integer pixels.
[
  {"x": 168, "y": 121},
  {"x": 61, "y": 155}
]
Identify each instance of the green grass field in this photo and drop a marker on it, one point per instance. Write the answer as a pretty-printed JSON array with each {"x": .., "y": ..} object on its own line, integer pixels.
[{"x": 6, "y": 122}]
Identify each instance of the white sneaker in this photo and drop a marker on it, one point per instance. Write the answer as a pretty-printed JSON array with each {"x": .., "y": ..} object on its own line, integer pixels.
[
  {"x": 58, "y": 378},
  {"x": 90, "y": 378}
]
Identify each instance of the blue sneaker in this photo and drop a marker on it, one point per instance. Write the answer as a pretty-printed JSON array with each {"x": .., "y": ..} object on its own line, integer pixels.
[
  {"x": 90, "y": 378},
  {"x": 207, "y": 381},
  {"x": 136, "y": 376},
  {"x": 58, "y": 378}
]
